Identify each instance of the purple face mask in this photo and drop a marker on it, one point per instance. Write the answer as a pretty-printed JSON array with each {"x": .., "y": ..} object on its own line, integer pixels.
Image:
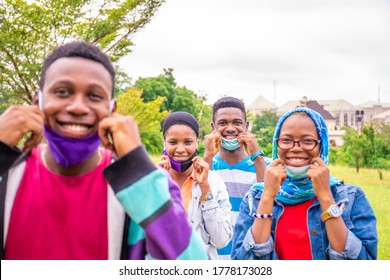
[
  {"x": 181, "y": 166},
  {"x": 68, "y": 151}
]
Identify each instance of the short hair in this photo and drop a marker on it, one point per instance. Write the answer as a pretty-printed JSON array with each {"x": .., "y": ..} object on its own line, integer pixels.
[
  {"x": 78, "y": 49},
  {"x": 228, "y": 101}
]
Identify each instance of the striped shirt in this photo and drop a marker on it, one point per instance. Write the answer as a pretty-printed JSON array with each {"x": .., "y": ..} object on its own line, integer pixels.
[{"x": 238, "y": 179}]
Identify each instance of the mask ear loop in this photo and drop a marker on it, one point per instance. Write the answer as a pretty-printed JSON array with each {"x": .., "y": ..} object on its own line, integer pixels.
[
  {"x": 40, "y": 100},
  {"x": 214, "y": 127},
  {"x": 163, "y": 142},
  {"x": 112, "y": 104}
]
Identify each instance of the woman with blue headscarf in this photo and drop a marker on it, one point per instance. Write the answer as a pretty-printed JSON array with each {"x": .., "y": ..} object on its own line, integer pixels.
[{"x": 300, "y": 211}]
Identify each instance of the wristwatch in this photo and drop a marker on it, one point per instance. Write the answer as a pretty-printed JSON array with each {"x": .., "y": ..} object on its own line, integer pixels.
[
  {"x": 333, "y": 211},
  {"x": 206, "y": 197}
]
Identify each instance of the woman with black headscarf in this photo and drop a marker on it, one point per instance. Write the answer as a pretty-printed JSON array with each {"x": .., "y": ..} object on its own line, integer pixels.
[{"x": 204, "y": 194}]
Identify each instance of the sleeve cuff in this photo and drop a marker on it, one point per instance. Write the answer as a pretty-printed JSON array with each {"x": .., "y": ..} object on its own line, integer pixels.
[
  {"x": 258, "y": 250},
  {"x": 8, "y": 155},
  {"x": 210, "y": 204},
  {"x": 352, "y": 249},
  {"x": 129, "y": 168}
]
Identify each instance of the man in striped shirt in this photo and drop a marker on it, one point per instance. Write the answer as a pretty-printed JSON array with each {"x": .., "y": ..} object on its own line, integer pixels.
[{"x": 232, "y": 151}]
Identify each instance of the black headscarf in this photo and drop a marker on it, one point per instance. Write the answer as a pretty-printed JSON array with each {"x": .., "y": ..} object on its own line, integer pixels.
[{"x": 183, "y": 118}]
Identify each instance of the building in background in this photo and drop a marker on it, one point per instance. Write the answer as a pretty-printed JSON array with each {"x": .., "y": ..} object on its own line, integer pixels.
[
  {"x": 343, "y": 111},
  {"x": 337, "y": 113},
  {"x": 383, "y": 117},
  {"x": 260, "y": 106},
  {"x": 372, "y": 109}
]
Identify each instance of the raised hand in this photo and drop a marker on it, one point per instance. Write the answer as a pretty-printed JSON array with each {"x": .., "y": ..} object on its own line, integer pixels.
[
  {"x": 119, "y": 133},
  {"x": 18, "y": 121},
  {"x": 201, "y": 170},
  {"x": 212, "y": 142},
  {"x": 164, "y": 162},
  {"x": 275, "y": 174},
  {"x": 248, "y": 140},
  {"x": 319, "y": 174}
]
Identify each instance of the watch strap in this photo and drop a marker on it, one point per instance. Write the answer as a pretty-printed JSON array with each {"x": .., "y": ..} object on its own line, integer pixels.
[
  {"x": 206, "y": 197},
  {"x": 256, "y": 154},
  {"x": 326, "y": 216}
]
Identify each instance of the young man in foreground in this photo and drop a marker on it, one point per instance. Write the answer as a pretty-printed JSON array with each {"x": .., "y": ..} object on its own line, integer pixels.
[{"x": 69, "y": 198}]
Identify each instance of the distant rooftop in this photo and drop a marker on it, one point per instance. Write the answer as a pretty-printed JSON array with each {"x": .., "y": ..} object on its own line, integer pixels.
[
  {"x": 260, "y": 103},
  {"x": 314, "y": 105},
  {"x": 337, "y": 104},
  {"x": 372, "y": 104},
  {"x": 305, "y": 102},
  {"x": 382, "y": 116}
]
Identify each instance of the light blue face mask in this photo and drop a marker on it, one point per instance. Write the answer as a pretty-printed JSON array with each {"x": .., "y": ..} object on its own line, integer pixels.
[
  {"x": 296, "y": 172},
  {"x": 230, "y": 145}
]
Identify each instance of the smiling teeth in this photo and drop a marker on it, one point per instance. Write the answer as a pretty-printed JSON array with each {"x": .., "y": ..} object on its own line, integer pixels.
[
  {"x": 297, "y": 160},
  {"x": 75, "y": 127}
]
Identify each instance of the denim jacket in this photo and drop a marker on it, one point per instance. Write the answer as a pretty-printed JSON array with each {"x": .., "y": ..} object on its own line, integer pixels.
[
  {"x": 211, "y": 219},
  {"x": 358, "y": 216}
]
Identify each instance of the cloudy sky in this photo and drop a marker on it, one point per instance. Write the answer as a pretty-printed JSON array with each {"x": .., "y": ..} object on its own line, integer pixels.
[{"x": 281, "y": 49}]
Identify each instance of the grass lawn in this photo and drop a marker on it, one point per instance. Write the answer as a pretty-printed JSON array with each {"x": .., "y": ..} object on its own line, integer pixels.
[{"x": 378, "y": 193}]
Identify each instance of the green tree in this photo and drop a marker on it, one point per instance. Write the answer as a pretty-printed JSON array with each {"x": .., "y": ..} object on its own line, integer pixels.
[
  {"x": 336, "y": 156},
  {"x": 384, "y": 136},
  {"x": 353, "y": 148},
  {"x": 204, "y": 116},
  {"x": 164, "y": 85},
  {"x": 147, "y": 115},
  {"x": 370, "y": 148},
  {"x": 29, "y": 30},
  {"x": 185, "y": 100},
  {"x": 264, "y": 138},
  {"x": 177, "y": 99},
  {"x": 264, "y": 129},
  {"x": 267, "y": 119},
  {"x": 122, "y": 82},
  {"x": 361, "y": 150}
]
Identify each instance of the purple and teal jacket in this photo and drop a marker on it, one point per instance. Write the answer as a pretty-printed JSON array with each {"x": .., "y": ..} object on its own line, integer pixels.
[{"x": 146, "y": 219}]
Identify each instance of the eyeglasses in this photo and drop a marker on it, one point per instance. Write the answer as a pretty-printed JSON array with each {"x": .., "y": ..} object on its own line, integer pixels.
[{"x": 305, "y": 144}]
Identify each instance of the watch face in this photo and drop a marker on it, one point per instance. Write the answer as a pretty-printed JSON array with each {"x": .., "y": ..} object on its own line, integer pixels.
[
  {"x": 335, "y": 211},
  {"x": 209, "y": 196}
]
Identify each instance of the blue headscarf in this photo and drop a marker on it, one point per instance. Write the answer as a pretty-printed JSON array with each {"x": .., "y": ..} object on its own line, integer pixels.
[{"x": 295, "y": 191}]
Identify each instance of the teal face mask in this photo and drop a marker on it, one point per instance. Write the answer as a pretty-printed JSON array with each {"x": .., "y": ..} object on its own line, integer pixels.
[
  {"x": 230, "y": 145},
  {"x": 296, "y": 172}
]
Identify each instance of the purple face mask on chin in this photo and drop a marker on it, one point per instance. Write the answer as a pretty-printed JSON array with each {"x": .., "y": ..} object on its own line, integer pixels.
[
  {"x": 181, "y": 166},
  {"x": 68, "y": 151}
]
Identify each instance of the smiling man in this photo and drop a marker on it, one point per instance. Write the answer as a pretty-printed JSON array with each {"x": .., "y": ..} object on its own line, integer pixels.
[
  {"x": 71, "y": 198},
  {"x": 233, "y": 152}
]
